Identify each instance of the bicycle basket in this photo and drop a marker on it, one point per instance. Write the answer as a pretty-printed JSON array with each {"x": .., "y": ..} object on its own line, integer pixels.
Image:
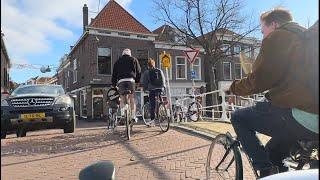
[{"x": 113, "y": 94}]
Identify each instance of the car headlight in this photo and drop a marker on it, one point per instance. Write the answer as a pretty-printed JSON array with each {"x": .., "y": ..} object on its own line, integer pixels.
[
  {"x": 64, "y": 100},
  {"x": 4, "y": 103}
]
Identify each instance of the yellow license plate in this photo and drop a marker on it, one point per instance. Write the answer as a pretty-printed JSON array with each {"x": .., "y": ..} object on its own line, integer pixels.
[{"x": 33, "y": 116}]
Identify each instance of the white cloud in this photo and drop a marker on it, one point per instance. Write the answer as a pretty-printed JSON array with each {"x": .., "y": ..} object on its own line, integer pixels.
[{"x": 31, "y": 26}]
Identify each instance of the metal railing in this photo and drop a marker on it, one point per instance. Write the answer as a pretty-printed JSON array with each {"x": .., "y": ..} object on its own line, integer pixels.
[{"x": 223, "y": 109}]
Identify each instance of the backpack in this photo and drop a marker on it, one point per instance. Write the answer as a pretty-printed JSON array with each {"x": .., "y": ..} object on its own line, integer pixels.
[
  {"x": 310, "y": 39},
  {"x": 155, "y": 77}
]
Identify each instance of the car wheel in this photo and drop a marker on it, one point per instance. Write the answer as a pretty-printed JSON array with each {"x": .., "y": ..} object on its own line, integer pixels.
[
  {"x": 69, "y": 128},
  {"x": 3, "y": 134},
  {"x": 21, "y": 132}
]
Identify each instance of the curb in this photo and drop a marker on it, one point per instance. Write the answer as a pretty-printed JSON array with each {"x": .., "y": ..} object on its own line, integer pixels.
[{"x": 191, "y": 131}]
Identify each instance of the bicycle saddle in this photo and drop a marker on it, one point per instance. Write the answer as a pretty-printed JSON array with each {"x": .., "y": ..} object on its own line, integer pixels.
[
  {"x": 101, "y": 170},
  {"x": 124, "y": 92}
]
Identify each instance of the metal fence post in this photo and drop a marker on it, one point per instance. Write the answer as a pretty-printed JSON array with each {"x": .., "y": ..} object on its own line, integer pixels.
[{"x": 224, "y": 113}]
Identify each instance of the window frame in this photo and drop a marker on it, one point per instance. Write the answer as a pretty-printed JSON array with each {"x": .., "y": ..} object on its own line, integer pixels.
[
  {"x": 75, "y": 71},
  {"x": 234, "y": 52},
  {"x": 185, "y": 65},
  {"x": 247, "y": 51},
  {"x": 230, "y": 71},
  {"x": 104, "y": 56},
  {"x": 235, "y": 73},
  {"x": 228, "y": 53}
]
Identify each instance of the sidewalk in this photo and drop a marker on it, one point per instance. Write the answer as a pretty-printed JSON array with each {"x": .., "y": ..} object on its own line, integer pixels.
[{"x": 213, "y": 128}]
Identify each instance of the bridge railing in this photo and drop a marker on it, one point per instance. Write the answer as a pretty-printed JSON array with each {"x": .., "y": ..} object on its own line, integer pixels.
[{"x": 219, "y": 111}]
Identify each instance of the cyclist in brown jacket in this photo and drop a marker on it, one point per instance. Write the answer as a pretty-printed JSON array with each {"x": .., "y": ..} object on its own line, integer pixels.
[{"x": 287, "y": 99}]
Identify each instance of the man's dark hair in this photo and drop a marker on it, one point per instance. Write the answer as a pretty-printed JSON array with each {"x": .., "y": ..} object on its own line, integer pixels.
[{"x": 278, "y": 15}]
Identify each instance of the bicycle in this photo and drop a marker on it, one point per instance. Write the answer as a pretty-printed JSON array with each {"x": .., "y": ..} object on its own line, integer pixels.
[
  {"x": 305, "y": 153},
  {"x": 113, "y": 98},
  {"x": 193, "y": 112},
  {"x": 160, "y": 111},
  {"x": 225, "y": 152},
  {"x": 125, "y": 89}
]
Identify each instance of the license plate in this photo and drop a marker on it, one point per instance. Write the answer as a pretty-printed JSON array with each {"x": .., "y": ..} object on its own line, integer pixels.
[{"x": 33, "y": 116}]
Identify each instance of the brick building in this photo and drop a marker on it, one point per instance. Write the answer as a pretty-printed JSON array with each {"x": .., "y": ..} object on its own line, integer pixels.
[
  {"x": 87, "y": 69},
  {"x": 5, "y": 66}
]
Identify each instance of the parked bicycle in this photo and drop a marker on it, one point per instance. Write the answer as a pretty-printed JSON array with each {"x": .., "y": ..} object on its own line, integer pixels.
[
  {"x": 225, "y": 157},
  {"x": 191, "y": 112},
  {"x": 162, "y": 117}
]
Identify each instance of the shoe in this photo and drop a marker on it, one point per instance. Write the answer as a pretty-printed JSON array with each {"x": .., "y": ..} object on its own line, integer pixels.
[
  {"x": 135, "y": 119},
  {"x": 269, "y": 171},
  {"x": 151, "y": 123}
]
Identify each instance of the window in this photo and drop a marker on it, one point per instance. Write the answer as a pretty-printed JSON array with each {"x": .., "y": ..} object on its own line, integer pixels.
[
  {"x": 123, "y": 34},
  {"x": 142, "y": 56},
  {"x": 226, "y": 49},
  {"x": 238, "y": 71},
  {"x": 236, "y": 50},
  {"x": 104, "y": 61},
  {"x": 227, "y": 70},
  {"x": 197, "y": 68},
  {"x": 164, "y": 70},
  {"x": 75, "y": 71},
  {"x": 142, "y": 36},
  {"x": 66, "y": 79},
  {"x": 247, "y": 51},
  {"x": 181, "y": 65}
]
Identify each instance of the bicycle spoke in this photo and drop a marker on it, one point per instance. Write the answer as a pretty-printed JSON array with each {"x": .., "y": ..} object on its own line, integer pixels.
[
  {"x": 230, "y": 163},
  {"x": 224, "y": 157},
  {"x": 222, "y": 161}
]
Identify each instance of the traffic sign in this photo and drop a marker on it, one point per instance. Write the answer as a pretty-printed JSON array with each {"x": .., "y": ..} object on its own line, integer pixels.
[
  {"x": 191, "y": 55},
  {"x": 165, "y": 60},
  {"x": 193, "y": 74}
]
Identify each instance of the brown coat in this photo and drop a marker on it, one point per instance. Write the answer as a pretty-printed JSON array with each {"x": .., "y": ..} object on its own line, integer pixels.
[{"x": 277, "y": 65}]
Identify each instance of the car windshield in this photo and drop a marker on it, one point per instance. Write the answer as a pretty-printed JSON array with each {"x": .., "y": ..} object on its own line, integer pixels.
[{"x": 56, "y": 90}]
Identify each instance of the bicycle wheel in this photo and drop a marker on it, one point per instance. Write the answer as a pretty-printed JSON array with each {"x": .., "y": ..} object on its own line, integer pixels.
[
  {"x": 178, "y": 114},
  {"x": 146, "y": 116},
  {"x": 114, "y": 122},
  {"x": 108, "y": 117},
  {"x": 224, "y": 159},
  {"x": 194, "y": 111},
  {"x": 128, "y": 124},
  {"x": 163, "y": 118}
]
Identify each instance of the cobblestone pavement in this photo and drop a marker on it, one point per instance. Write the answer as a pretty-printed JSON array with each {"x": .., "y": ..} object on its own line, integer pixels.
[{"x": 149, "y": 154}]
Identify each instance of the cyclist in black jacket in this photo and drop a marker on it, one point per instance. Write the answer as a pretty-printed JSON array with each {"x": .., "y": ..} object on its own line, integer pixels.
[{"x": 126, "y": 72}]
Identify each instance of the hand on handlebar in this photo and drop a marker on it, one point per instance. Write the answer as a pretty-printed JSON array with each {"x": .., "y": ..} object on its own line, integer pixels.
[{"x": 228, "y": 92}]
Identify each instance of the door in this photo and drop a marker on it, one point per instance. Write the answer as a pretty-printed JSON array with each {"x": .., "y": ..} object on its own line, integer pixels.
[{"x": 98, "y": 107}]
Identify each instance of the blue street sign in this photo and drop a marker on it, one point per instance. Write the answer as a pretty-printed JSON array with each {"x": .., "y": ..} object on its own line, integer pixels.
[{"x": 193, "y": 74}]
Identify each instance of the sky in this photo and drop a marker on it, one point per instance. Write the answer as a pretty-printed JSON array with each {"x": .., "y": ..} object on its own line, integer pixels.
[{"x": 40, "y": 32}]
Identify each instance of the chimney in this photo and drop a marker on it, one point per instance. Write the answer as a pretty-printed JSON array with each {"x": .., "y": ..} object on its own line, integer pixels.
[{"x": 85, "y": 17}]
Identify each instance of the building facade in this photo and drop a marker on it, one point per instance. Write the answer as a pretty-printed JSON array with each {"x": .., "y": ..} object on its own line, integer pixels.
[
  {"x": 87, "y": 69},
  {"x": 5, "y": 66}
]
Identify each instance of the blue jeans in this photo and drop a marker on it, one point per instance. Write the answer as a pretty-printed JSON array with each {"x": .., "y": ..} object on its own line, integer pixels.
[
  {"x": 152, "y": 98},
  {"x": 276, "y": 122}
]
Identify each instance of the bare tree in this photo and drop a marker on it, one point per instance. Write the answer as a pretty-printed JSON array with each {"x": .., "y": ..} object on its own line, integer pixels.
[{"x": 207, "y": 23}]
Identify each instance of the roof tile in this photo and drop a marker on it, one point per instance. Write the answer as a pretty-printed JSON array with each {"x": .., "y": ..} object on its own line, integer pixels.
[{"x": 113, "y": 16}]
